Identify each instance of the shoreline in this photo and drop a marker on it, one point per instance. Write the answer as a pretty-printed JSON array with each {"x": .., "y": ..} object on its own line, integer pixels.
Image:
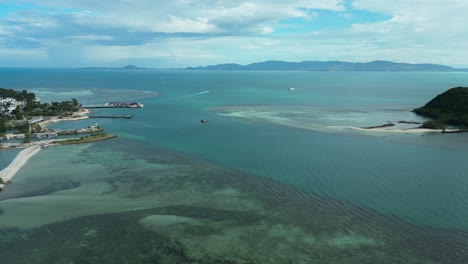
[
  {"x": 401, "y": 130},
  {"x": 71, "y": 141},
  {"x": 32, "y": 148},
  {"x": 20, "y": 160},
  {"x": 83, "y": 112}
]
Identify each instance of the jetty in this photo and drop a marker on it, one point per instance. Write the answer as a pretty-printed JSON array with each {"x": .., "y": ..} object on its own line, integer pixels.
[
  {"x": 116, "y": 105},
  {"x": 127, "y": 116},
  {"x": 87, "y": 130},
  {"x": 85, "y": 139}
]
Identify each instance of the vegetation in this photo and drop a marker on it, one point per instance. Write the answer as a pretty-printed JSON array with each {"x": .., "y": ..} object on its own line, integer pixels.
[
  {"x": 17, "y": 95},
  {"x": 17, "y": 119},
  {"x": 18, "y": 126},
  {"x": 86, "y": 139},
  {"x": 2, "y": 181},
  {"x": 433, "y": 124},
  {"x": 448, "y": 108},
  {"x": 52, "y": 109},
  {"x": 27, "y": 139}
]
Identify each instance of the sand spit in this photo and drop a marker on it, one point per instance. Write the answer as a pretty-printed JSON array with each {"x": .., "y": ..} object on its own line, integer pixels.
[
  {"x": 403, "y": 130},
  {"x": 20, "y": 160},
  {"x": 34, "y": 147}
]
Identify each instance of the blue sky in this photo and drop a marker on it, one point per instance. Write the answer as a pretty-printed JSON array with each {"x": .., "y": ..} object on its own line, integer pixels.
[{"x": 180, "y": 33}]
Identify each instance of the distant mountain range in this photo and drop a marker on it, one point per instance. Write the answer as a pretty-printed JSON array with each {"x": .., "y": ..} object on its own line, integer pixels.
[
  {"x": 311, "y": 66},
  {"x": 327, "y": 66}
]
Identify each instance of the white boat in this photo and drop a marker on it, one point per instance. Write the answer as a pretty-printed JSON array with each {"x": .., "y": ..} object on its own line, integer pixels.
[{"x": 135, "y": 105}]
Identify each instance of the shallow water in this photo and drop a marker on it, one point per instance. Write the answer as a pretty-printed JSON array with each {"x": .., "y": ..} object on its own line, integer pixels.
[
  {"x": 276, "y": 192},
  {"x": 196, "y": 211}
]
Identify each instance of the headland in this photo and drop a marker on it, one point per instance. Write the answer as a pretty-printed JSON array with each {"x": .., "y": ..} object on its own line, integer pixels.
[{"x": 24, "y": 119}]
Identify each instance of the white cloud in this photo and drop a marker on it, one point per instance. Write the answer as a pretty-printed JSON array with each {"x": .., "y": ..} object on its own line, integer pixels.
[
  {"x": 439, "y": 17},
  {"x": 348, "y": 16},
  {"x": 179, "y": 24},
  {"x": 197, "y": 32},
  {"x": 194, "y": 16},
  {"x": 170, "y": 50},
  {"x": 91, "y": 37},
  {"x": 31, "y": 19},
  {"x": 267, "y": 30},
  {"x": 115, "y": 53},
  {"x": 9, "y": 54}
]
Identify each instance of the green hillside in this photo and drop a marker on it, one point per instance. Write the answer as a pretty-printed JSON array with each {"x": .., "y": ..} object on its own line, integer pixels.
[{"x": 448, "y": 108}]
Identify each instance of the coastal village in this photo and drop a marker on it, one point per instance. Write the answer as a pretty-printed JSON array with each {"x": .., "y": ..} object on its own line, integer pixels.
[{"x": 24, "y": 121}]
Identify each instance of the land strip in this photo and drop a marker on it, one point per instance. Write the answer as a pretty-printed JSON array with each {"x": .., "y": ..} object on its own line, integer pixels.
[
  {"x": 86, "y": 139},
  {"x": 7, "y": 174}
]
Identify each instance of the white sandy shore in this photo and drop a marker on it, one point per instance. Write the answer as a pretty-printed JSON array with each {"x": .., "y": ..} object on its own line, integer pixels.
[
  {"x": 401, "y": 130},
  {"x": 83, "y": 112},
  {"x": 33, "y": 147},
  {"x": 20, "y": 160}
]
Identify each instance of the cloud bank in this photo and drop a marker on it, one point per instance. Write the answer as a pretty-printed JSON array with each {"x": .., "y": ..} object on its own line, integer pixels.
[{"x": 181, "y": 33}]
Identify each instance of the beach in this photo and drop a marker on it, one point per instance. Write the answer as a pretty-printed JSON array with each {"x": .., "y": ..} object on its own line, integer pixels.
[
  {"x": 33, "y": 148},
  {"x": 81, "y": 115},
  {"x": 9, "y": 172},
  {"x": 402, "y": 130}
]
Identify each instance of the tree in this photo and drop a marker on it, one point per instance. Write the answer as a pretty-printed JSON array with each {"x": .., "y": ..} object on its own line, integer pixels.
[
  {"x": 27, "y": 139},
  {"x": 19, "y": 116},
  {"x": 2, "y": 125},
  {"x": 433, "y": 124},
  {"x": 7, "y": 105}
]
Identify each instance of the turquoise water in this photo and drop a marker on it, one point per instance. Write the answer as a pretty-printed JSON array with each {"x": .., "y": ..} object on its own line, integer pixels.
[{"x": 355, "y": 191}]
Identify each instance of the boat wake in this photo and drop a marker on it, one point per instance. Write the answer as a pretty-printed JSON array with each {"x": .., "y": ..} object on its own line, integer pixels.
[
  {"x": 192, "y": 95},
  {"x": 184, "y": 97}
]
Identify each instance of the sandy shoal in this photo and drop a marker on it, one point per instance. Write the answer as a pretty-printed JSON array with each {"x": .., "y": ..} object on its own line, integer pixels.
[{"x": 9, "y": 172}]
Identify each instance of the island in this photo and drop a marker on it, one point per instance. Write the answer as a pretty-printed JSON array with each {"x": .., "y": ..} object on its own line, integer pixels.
[
  {"x": 449, "y": 108},
  {"x": 377, "y": 65}
]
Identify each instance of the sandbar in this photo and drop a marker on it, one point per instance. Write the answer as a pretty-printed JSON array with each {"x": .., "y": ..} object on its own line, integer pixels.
[
  {"x": 402, "y": 130},
  {"x": 9, "y": 172},
  {"x": 33, "y": 148}
]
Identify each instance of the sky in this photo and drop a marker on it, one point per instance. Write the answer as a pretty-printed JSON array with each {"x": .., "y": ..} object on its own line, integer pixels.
[{"x": 182, "y": 33}]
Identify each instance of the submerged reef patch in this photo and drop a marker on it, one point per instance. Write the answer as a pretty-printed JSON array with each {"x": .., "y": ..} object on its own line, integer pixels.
[{"x": 175, "y": 208}]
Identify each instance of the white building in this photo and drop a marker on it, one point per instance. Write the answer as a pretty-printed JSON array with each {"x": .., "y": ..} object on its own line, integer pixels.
[{"x": 11, "y": 102}]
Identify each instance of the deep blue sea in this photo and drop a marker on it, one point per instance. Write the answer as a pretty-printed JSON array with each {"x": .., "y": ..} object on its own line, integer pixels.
[{"x": 274, "y": 176}]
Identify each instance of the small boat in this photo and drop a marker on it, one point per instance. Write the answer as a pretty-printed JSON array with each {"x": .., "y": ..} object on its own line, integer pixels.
[
  {"x": 204, "y": 120},
  {"x": 292, "y": 89}
]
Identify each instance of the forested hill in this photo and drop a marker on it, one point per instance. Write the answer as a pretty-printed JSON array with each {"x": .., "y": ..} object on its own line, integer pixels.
[{"x": 450, "y": 107}]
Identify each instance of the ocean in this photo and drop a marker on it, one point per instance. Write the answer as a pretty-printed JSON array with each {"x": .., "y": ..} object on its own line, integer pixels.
[{"x": 274, "y": 176}]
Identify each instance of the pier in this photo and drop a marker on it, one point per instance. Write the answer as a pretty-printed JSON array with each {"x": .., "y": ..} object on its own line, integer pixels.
[
  {"x": 116, "y": 105},
  {"x": 127, "y": 117},
  {"x": 102, "y": 106}
]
